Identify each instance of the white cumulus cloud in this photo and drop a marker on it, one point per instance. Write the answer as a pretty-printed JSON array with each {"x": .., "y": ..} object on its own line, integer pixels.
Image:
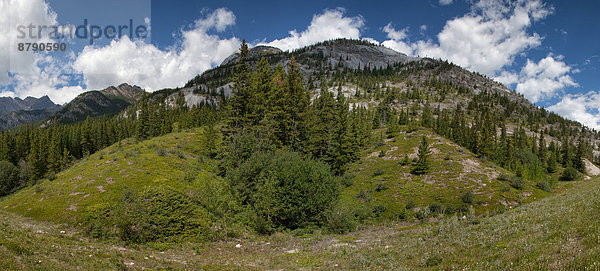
[
  {"x": 486, "y": 40},
  {"x": 328, "y": 25},
  {"x": 578, "y": 107},
  {"x": 446, "y": 2},
  {"x": 27, "y": 73},
  {"x": 151, "y": 68}
]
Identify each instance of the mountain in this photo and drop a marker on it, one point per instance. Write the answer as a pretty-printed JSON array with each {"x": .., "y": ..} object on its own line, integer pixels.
[
  {"x": 312, "y": 60},
  {"x": 8, "y": 104},
  {"x": 371, "y": 142},
  {"x": 16, "y": 111},
  {"x": 111, "y": 100}
]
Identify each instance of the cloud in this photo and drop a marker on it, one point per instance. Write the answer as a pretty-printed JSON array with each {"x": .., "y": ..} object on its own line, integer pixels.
[
  {"x": 445, "y": 2},
  {"x": 14, "y": 13},
  {"x": 578, "y": 107},
  {"x": 538, "y": 81},
  {"x": 486, "y": 40},
  {"x": 219, "y": 20},
  {"x": 328, "y": 25},
  {"x": 393, "y": 33},
  {"x": 27, "y": 73},
  {"x": 137, "y": 62}
]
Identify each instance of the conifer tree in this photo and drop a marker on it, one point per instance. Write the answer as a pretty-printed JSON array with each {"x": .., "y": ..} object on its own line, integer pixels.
[
  {"x": 143, "y": 122},
  {"x": 260, "y": 87},
  {"x": 422, "y": 164},
  {"x": 238, "y": 108},
  {"x": 279, "y": 103},
  {"x": 579, "y": 155},
  {"x": 566, "y": 152},
  {"x": 299, "y": 102},
  {"x": 340, "y": 152}
]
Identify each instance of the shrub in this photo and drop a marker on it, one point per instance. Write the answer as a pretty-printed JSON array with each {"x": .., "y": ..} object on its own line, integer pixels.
[
  {"x": 405, "y": 161},
  {"x": 9, "y": 177},
  {"x": 286, "y": 190},
  {"x": 436, "y": 208},
  {"x": 379, "y": 209},
  {"x": 433, "y": 261},
  {"x": 363, "y": 196},
  {"x": 544, "y": 185},
  {"x": 422, "y": 214},
  {"x": 517, "y": 182},
  {"x": 378, "y": 172},
  {"x": 468, "y": 197},
  {"x": 51, "y": 176},
  {"x": 162, "y": 152},
  {"x": 381, "y": 187},
  {"x": 160, "y": 213},
  {"x": 569, "y": 174},
  {"x": 341, "y": 220},
  {"x": 514, "y": 181},
  {"x": 348, "y": 179},
  {"x": 503, "y": 177}
]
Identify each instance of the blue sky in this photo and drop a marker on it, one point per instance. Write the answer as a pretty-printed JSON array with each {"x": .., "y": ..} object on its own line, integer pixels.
[{"x": 548, "y": 50}]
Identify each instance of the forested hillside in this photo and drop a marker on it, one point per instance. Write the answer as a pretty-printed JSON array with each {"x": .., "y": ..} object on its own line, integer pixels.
[{"x": 326, "y": 138}]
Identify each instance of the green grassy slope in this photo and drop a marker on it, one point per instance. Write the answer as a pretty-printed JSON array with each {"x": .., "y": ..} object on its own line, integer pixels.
[
  {"x": 95, "y": 190},
  {"x": 560, "y": 232},
  {"x": 382, "y": 180}
]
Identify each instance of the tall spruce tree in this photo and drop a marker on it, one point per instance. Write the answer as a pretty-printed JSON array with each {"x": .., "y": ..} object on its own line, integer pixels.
[
  {"x": 421, "y": 166},
  {"x": 238, "y": 107}
]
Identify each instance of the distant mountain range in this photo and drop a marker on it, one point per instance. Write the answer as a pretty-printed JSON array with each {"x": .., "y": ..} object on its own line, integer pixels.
[
  {"x": 17, "y": 111},
  {"x": 111, "y": 100}
]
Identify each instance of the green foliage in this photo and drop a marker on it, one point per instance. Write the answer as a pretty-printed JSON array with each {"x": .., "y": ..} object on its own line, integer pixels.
[
  {"x": 9, "y": 177},
  {"x": 341, "y": 220},
  {"x": 284, "y": 189},
  {"x": 348, "y": 179},
  {"x": 544, "y": 185},
  {"x": 159, "y": 213},
  {"x": 378, "y": 171},
  {"x": 468, "y": 197},
  {"x": 51, "y": 176},
  {"x": 422, "y": 165},
  {"x": 517, "y": 182},
  {"x": 569, "y": 174}
]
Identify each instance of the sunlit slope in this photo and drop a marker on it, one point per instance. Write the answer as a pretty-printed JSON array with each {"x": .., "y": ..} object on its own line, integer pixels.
[
  {"x": 381, "y": 181},
  {"x": 166, "y": 178}
]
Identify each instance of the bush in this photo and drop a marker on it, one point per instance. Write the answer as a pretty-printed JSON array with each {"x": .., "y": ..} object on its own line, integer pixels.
[
  {"x": 51, "y": 176},
  {"x": 378, "y": 172},
  {"x": 341, "y": 220},
  {"x": 468, "y": 197},
  {"x": 405, "y": 161},
  {"x": 158, "y": 214},
  {"x": 569, "y": 174},
  {"x": 544, "y": 185},
  {"x": 503, "y": 177},
  {"x": 422, "y": 214},
  {"x": 286, "y": 190},
  {"x": 348, "y": 179},
  {"x": 379, "y": 210},
  {"x": 381, "y": 187},
  {"x": 9, "y": 177},
  {"x": 162, "y": 152},
  {"x": 514, "y": 181},
  {"x": 517, "y": 182},
  {"x": 436, "y": 208}
]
